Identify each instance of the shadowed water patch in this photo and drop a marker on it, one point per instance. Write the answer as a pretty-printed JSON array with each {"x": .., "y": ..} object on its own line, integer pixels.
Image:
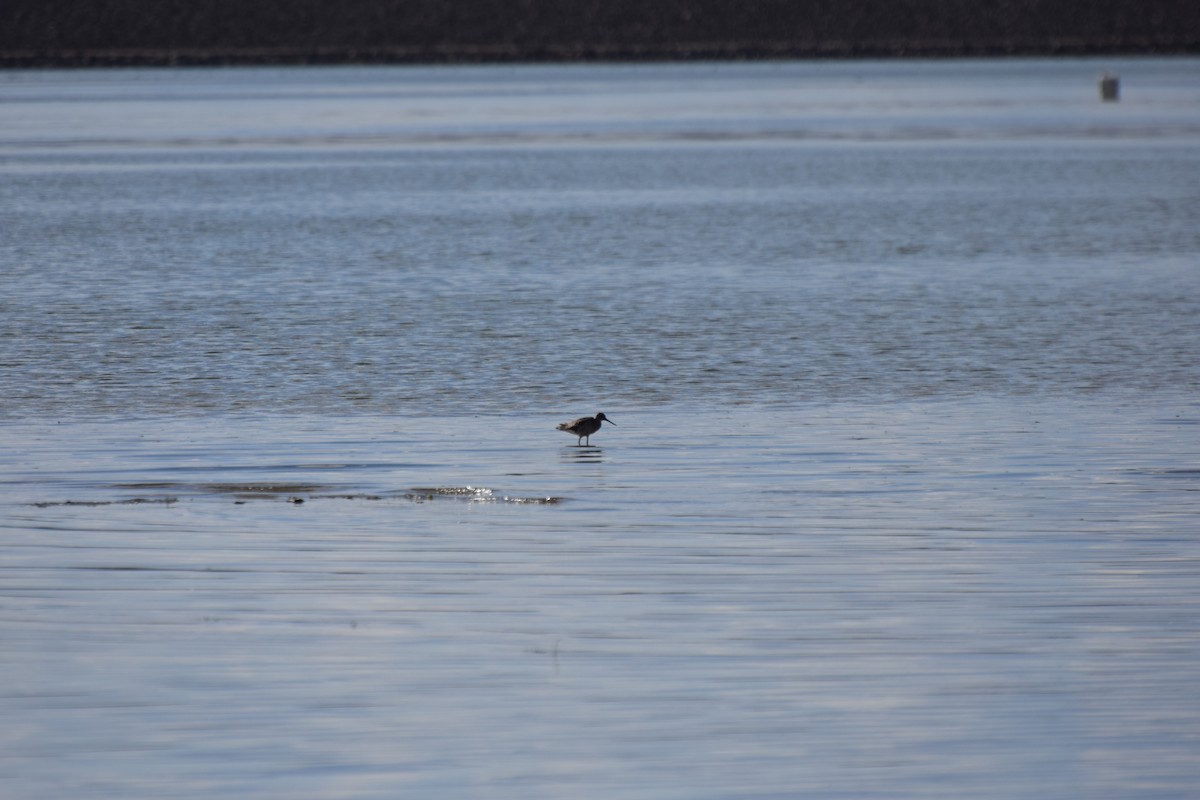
[
  {"x": 1184, "y": 478},
  {"x": 250, "y": 490},
  {"x": 297, "y": 493},
  {"x": 133, "y": 501}
]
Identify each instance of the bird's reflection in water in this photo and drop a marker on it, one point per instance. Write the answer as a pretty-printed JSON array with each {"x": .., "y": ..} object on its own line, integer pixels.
[{"x": 583, "y": 455}]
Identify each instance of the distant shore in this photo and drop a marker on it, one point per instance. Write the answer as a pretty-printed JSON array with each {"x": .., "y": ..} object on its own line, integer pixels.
[
  {"x": 69, "y": 33},
  {"x": 589, "y": 52}
]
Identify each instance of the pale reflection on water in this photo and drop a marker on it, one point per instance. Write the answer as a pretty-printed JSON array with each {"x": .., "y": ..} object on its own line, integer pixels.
[{"x": 991, "y": 599}]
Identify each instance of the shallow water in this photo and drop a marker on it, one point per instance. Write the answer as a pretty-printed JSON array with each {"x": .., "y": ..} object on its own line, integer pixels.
[
  {"x": 983, "y": 598},
  {"x": 900, "y": 501}
]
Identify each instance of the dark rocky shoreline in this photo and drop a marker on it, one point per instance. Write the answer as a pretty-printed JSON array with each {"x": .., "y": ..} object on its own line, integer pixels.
[
  {"x": 67, "y": 33},
  {"x": 732, "y": 51}
]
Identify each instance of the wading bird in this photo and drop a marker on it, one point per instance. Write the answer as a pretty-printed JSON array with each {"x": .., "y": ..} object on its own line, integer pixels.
[{"x": 584, "y": 427}]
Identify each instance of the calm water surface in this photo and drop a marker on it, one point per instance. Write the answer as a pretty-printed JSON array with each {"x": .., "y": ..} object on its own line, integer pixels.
[{"x": 901, "y": 500}]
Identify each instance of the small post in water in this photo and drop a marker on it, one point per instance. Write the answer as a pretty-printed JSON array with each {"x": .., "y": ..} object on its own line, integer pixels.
[{"x": 1110, "y": 88}]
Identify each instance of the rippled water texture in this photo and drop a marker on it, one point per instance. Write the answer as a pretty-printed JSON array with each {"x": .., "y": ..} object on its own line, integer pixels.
[
  {"x": 362, "y": 243},
  {"x": 901, "y": 498}
]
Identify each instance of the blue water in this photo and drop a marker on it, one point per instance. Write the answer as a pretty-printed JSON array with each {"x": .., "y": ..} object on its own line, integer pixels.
[{"x": 900, "y": 501}]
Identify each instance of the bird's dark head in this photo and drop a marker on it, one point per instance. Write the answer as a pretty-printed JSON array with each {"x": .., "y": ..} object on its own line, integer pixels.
[{"x": 600, "y": 417}]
